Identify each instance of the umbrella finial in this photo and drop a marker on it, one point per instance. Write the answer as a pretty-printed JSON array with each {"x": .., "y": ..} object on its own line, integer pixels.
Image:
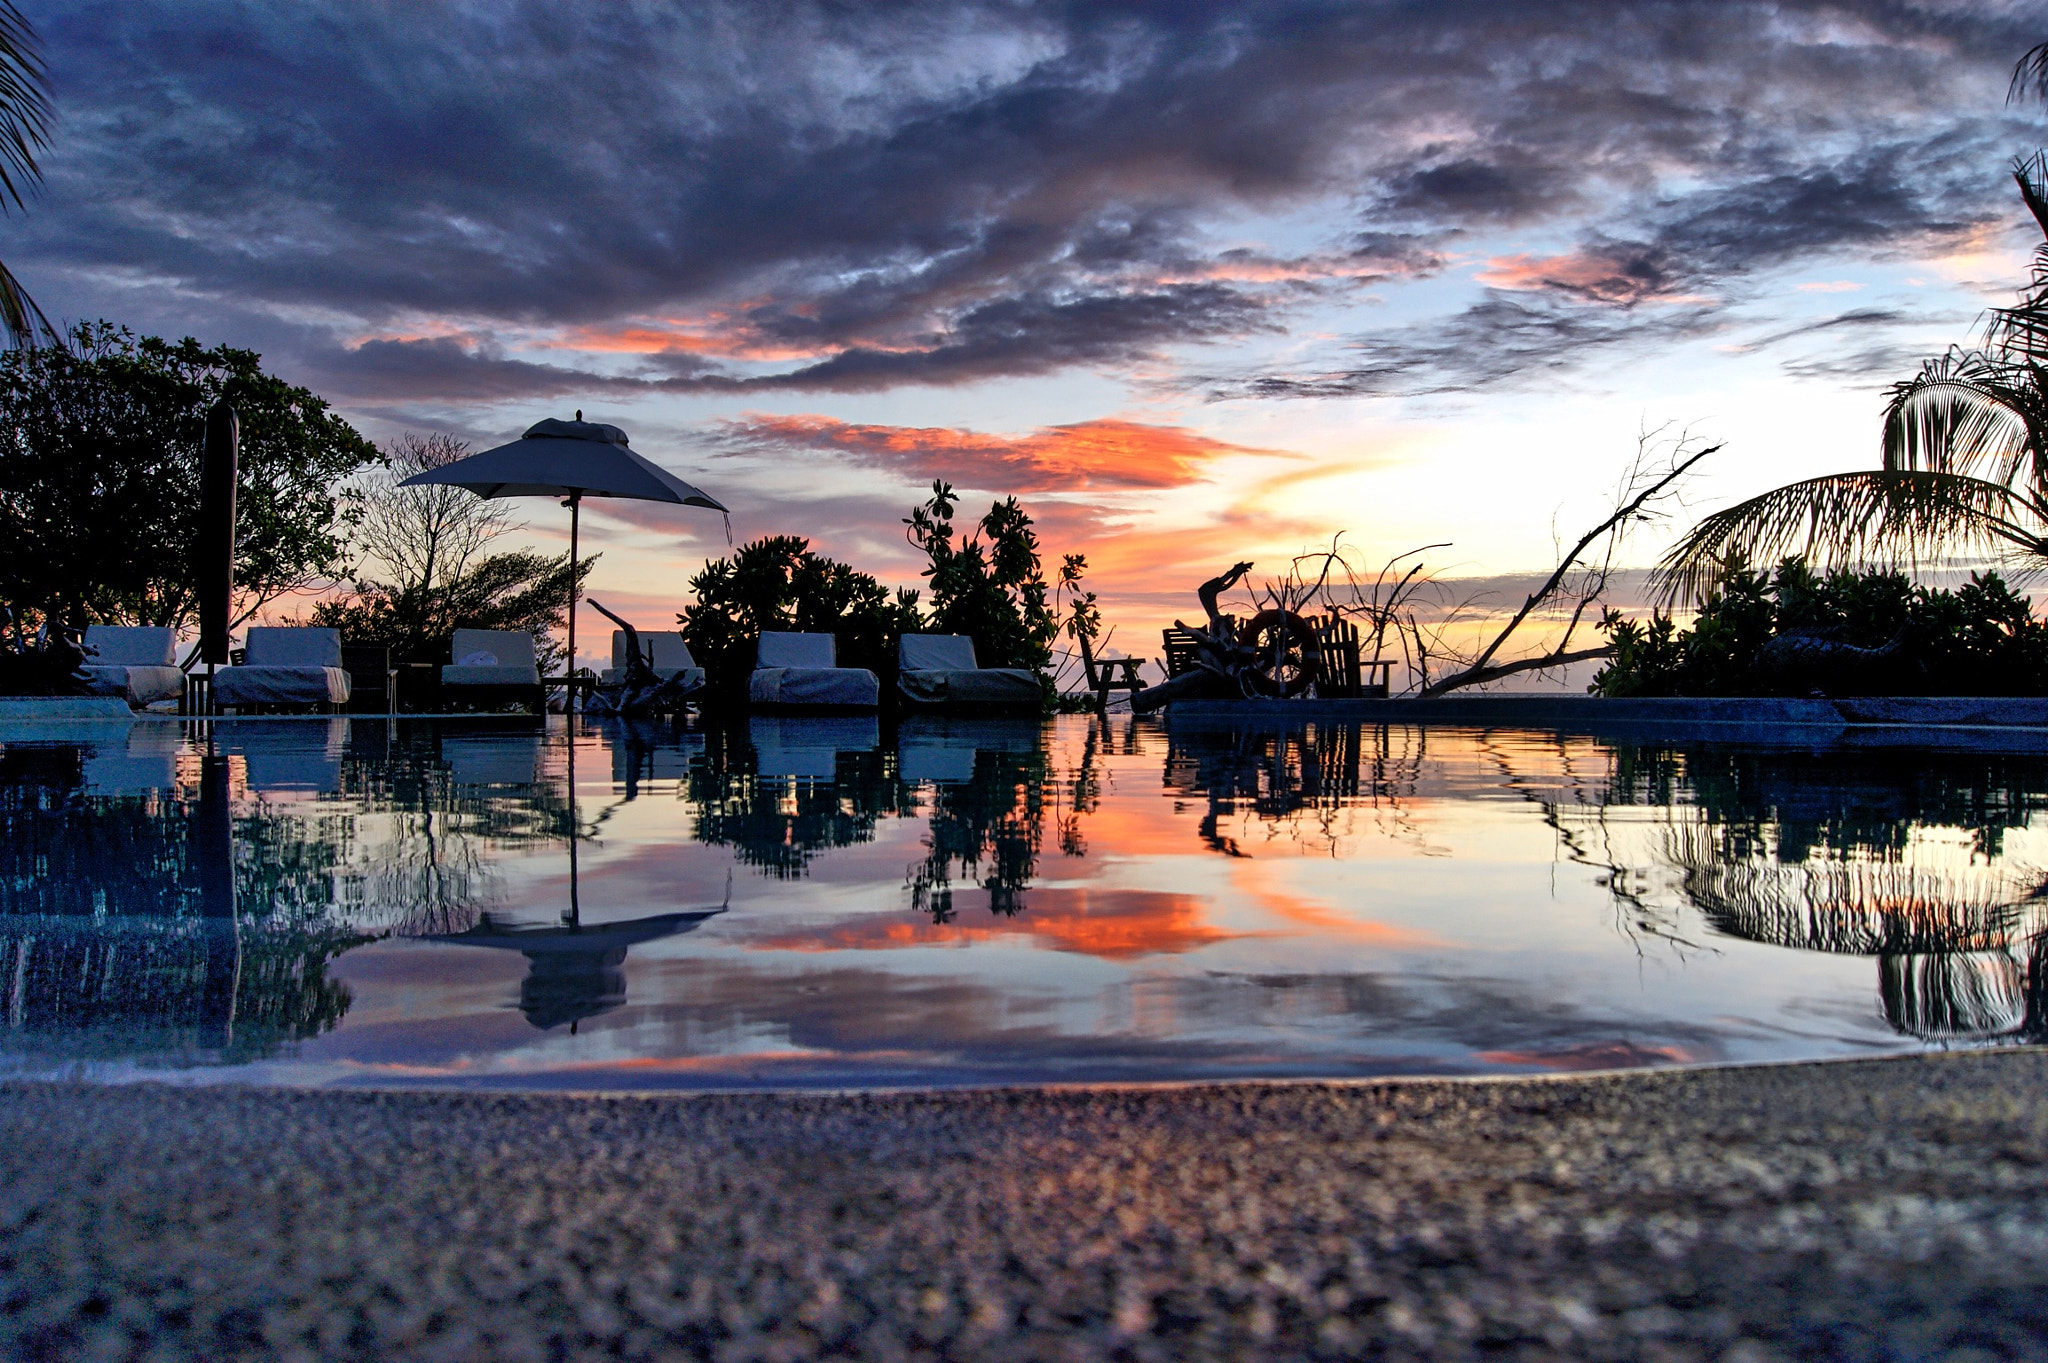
[{"x": 579, "y": 414}]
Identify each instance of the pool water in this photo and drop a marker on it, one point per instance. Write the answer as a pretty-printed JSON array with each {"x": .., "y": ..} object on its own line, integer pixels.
[{"x": 842, "y": 903}]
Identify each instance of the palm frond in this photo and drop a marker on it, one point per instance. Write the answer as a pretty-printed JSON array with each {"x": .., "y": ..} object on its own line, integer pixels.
[
  {"x": 21, "y": 321},
  {"x": 2031, "y": 173},
  {"x": 2030, "y": 76},
  {"x": 1845, "y": 519},
  {"x": 1965, "y": 412},
  {"x": 24, "y": 104}
]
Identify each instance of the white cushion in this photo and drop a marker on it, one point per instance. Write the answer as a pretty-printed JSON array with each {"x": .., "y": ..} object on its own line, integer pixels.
[
  {"x": 667, "y": 653},
  {"x": 273, "y": 647},
  {"x": 935, "y": 652},
  {"x": 509, "y": 647},
  {"x": 797, "y": 650},
  {"x": 851, "y": 687},
  {"x": 264, "y": 685},
  {"x": 137, "y": 684},
  {"x": 131, "y": 645}
]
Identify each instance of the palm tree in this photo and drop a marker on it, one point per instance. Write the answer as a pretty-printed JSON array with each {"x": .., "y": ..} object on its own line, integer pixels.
[
  {"x": 1965, "y": 451},
  {"x": 24, "y": 131}
]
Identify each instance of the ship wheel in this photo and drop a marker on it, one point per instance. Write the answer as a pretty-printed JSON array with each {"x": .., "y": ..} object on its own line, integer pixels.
[{"x": 1280, "y": 652}]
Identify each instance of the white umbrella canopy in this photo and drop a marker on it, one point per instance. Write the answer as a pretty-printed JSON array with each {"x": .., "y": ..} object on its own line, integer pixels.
[{"x": 572, "y": 459}]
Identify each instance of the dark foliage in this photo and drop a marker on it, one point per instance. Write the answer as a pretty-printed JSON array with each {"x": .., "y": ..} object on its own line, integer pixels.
[
  {"x": 521, "y": 591},
  {"x": 986, "y": 831},
  {"x": 777, "y": 583},
  {"x": 44, "y": 662},
  {"x": 990, "y": 589},
  {"x": 778, "y": 826},
  {"x": 1980, "y": 639},
  {"x": 99, "y": 477}
]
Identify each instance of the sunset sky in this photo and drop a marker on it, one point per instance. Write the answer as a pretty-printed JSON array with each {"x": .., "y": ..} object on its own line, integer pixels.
[{"x": 1197, "y": 282}]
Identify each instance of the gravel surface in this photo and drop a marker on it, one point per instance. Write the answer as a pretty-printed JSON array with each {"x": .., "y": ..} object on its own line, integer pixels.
[{"x": 1883, "y": 1210}]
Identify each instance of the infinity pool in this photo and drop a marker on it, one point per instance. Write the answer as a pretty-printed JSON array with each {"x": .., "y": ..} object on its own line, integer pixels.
[{"x": 832, "y": 902}]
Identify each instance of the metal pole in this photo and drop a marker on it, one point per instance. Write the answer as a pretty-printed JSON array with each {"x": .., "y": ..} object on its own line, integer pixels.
[{"x": 569, "y": 668}]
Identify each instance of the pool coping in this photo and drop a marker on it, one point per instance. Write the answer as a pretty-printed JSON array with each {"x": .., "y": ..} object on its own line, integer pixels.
[{"x": 1526, "y": 709}]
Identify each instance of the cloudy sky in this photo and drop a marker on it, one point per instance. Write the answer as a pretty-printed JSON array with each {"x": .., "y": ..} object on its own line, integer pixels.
[{"x": 1197, "y": 282}]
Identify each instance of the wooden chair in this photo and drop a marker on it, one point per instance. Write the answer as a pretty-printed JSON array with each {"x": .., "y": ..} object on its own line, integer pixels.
[
  {"x": 1109, "y": 674},
  {"x": 1341, "y": 672},
  {"x": 372, "y": 680},
  {"x": 1337, "y": 655},
  {"x": 1181, "y": 650}
]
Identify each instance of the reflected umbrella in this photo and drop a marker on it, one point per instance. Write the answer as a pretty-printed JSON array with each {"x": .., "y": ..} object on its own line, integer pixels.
[{"x": 575, "y": 972}]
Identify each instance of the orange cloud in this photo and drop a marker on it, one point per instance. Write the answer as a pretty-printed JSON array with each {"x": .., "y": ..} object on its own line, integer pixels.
[
  {"x": 1621, "y": 276},
  {"x": 1088, "y": 454}
]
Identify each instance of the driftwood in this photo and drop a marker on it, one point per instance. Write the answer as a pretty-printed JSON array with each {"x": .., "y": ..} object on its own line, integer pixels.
[
  {"x": 642, "y": 692},
  {"x": 1272, "y": 654},
  {"x": 49, "y": 662}
]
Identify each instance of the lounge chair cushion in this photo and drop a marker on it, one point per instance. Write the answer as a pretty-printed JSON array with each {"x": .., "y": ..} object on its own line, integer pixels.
[
  {"x": 798, "y": 669},
  {"x": 997, "y": 686},
  {"x": 797, "y": 650},
  {"x": 285, "y": 667},
  {"x": 491, "y": 657},
  {"x": 670, "y": 657},
  {"x": 134, "y": 683},
  {"x": 938, "y": 669},
  {"x": 136, "y": 662},
  {"x": 845, "y": 687},
  {"x": 936, "y": 653},
  {"x": 281, "y": 647},
  {"x": 132, "y": 645}
]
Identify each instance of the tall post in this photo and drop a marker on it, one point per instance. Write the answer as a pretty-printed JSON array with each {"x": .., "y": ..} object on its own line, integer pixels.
[
  {"x": 575, "y": 915},
  {"x": 212, "y": 844},
  {"x": 214, "y": 555},
  {"x": 569, "y": 667}
]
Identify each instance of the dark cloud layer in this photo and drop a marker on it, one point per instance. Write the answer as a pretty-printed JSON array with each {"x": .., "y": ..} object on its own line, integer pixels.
[{"x": 850, "y": 198}]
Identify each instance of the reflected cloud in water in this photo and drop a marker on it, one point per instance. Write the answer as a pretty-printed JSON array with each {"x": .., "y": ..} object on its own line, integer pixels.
[{"x": 844, "y": 901}]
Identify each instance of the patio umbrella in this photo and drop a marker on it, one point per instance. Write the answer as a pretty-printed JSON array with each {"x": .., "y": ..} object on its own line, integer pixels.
[{"x": 572, "y": 459}]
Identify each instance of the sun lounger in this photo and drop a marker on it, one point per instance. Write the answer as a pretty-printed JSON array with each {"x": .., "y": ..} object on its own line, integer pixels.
[
  {"x": 666, "y": 652},
  {"x": 285, "y": 667},
  {"x": 135, "y": 662},
  {"x": 490, "y": 664},
  {"x": 939, "y": 670},
  {"x": 800, "y": 671}
]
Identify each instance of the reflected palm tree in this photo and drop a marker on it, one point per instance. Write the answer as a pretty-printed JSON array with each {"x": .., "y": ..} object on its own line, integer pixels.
[{"x": 1954, "y": 947}]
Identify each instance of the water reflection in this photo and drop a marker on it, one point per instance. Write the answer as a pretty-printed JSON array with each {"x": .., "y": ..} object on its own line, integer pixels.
[
  {"x": 120, "y": 931},
  {"x": 1842, "y": 853},
  {"x": 997, "y": 900},
  {"x": 574, "y": 972}
]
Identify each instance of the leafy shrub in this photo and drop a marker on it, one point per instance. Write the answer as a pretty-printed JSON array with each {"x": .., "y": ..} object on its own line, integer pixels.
[
  {"x": 777, "y": 583},
  {"x": 1980, "y": 639},
  {"x": 993, "y": 592}
]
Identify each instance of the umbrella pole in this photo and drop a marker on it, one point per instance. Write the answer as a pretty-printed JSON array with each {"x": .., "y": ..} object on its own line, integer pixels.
[{"x": 569, "y": 667}]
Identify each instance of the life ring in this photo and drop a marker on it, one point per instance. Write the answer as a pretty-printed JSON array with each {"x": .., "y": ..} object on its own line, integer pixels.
[{"x": 1280, "y": 652}]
